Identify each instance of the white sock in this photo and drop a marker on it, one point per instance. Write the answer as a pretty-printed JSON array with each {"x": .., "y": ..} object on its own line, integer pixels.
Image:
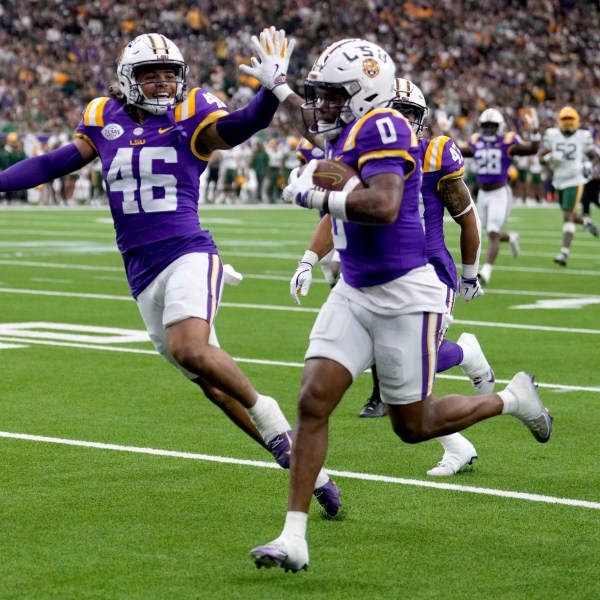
[
  {"x": 295, "y": 524},
  {"x": 322, "y": 479},
  {"x": 448, "y": 442},
  {"x": 268, "y": 418},
  {"x": 486, "y": 271},
  {"x": 509, "y": 399}
]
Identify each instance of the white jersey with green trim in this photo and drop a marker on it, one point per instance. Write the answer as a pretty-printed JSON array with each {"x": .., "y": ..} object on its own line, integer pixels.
[{"x": 568, "y": 155}]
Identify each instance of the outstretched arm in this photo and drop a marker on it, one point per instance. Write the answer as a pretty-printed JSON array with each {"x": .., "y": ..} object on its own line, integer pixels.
[
  {"x": 36, "y": 170},
  {"x": 235, "y": 128},
  {"x": 274, "y": 42}
]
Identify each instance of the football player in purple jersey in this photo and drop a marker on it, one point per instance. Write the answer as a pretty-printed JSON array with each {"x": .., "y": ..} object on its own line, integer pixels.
[
  {"x": 493, "y": 149},
  {"x": 154, "y": 139},
  {"x": 442, "y": 189},
  {"x": 388, "y": 305}
]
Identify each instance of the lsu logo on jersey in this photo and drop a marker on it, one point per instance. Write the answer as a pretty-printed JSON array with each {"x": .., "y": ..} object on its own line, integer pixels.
[{"x": 112, "y": 131}]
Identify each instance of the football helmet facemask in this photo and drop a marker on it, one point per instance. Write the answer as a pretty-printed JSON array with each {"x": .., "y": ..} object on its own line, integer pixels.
[
  {"x": 151, "y": 50},
  {"x": 350, "y": 78},
  {"x": 491, "y": 123},
  {"x": 410, "y": 101},
  {"x": 568, "y": 120}
]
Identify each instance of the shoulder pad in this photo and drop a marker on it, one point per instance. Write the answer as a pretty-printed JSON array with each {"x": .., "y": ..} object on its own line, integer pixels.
[
  {"x": 93, "y": 115},
  {"x": 432, "y": 159},
  {"x": 195, "y": 101},
  {"x": 356, "y": 128}
]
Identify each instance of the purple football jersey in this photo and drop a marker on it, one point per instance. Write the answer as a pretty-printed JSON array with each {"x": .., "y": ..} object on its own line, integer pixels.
[
  {"x": 492, "y": 158},
  {"x": 381, "y": 142},
  {"x": 152, "y": 173},
  {"x": 307, "y": 152},
  {"x": 441, "y": 159}
]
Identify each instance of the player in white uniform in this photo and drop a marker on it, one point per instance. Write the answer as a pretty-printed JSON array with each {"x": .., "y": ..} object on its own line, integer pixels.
[{"x": 565, "y": 151}]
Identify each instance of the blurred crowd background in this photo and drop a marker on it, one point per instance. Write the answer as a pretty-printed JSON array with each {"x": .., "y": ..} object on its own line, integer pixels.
[{"x": 466, "y": 55}]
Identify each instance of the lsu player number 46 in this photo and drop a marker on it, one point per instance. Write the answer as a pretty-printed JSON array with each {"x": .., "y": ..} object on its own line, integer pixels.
[{"x": 154, "y": 140}]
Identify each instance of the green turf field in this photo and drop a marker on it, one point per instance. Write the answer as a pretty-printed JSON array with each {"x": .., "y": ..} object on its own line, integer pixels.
[{"x": 119, "y": 480}]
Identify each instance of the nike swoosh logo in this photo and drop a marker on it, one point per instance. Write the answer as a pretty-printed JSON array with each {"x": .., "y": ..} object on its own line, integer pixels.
[{"x": 165, "y": 129}]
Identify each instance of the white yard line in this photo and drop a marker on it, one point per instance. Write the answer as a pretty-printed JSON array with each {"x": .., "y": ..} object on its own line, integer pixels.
[
  {"x": 5, "y": 339},
  {"x": 347, "y": 474}
]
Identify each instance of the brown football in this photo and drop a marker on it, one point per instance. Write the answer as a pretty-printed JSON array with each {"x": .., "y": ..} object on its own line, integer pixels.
[{"x": 336, "y": 176}]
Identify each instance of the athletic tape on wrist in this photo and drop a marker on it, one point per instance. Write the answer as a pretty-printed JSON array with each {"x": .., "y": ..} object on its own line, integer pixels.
[
  {"x": 310, "y": 257},
  {"x": 336, "y": 205},
  {"x": 282, "y": 91},
  {"x": 469, "y": 271}
]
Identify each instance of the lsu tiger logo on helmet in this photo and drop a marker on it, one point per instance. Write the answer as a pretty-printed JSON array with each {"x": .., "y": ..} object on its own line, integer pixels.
[{"x": 371, "y": 67}]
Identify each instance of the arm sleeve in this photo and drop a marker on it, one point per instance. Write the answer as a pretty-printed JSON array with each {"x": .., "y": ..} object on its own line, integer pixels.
[
  {"x": 36, "y": 170},
  {"x": 238, "y": 126}
]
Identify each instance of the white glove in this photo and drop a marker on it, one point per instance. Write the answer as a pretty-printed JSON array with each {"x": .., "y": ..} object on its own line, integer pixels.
[
  {"x": 274, "y": 52},
  {"x": 231, "y": 276},
  {"x": 531, "y": 120},
  {"x": 469, "y": 289},
  {"x": 301, "y": 186},
  {"x": 302, "y": 278},
  {"x": 447, "y": 320}
]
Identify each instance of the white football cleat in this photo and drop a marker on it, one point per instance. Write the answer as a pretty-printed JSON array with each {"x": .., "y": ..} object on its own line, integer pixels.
[
  {"x": 527, "y": 406},
  {"x": 513, "y": 241},
  {"x": 475, "y": 365},
  {"x": 453, "y": 462},
  {"x": 281, "y": 553}
]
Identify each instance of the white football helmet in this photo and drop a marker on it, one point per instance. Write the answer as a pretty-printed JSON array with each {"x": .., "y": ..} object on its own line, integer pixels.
[
  {"x": 354, "y": 76},
  {"x": 146, "y": 50},
  {"x": 409, "y": 99},
  {"x": 491, "y": 123}
]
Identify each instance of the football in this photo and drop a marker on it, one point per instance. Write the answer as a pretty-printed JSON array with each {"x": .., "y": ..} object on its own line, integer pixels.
[{"x": 336, "y": 176}]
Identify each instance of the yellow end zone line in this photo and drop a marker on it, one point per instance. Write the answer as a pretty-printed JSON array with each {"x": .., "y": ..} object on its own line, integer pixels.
[{"x": 347, "y": 474}]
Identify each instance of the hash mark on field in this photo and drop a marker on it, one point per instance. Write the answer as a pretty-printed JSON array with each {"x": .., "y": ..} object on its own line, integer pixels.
[{"x": 347, "y": 474}]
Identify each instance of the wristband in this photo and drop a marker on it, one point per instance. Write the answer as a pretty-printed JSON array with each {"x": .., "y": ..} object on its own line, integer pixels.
[
  {"x": 310, "y": 257},
  {"x": 535, "y": 137},
  {"x": 317, "y": 199},
  {"x": 282, "y": 91},
  {"x": 469, "y": 271},
  {"x": 336, "y": 205}
]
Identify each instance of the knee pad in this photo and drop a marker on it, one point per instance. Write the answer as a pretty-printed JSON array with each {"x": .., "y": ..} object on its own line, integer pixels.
[{"x": 568, "y": 227}]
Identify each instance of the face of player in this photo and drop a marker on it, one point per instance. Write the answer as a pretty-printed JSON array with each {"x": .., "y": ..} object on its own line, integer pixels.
[
  {"x": 157, "y": 83},
  {"x": 489, "y": 130},
  {"x": 329, "y": 104},
  {"x": 409, "y": 112}
]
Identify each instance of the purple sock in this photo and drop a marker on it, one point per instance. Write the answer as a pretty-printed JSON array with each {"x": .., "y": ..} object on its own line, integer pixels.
[{"x": 449, "y": 355}]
